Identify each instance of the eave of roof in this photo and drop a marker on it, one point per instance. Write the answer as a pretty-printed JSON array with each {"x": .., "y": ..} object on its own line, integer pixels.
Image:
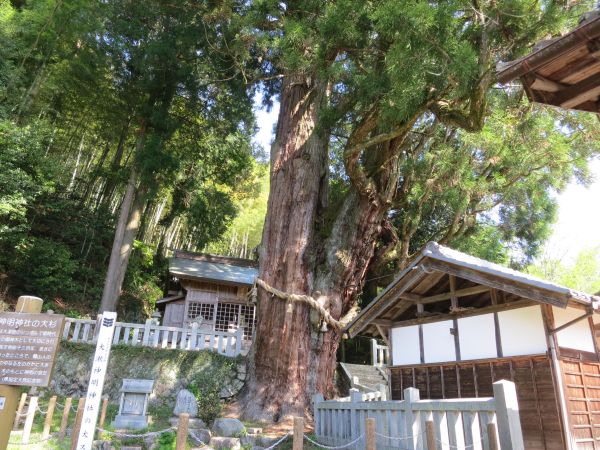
[
  {"x": 587, "y": 31},
  {"x": 212, "y": 271},
  {"x": 435, "y": 252}
]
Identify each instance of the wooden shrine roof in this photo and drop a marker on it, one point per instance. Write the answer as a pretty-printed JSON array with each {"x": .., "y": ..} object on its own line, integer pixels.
[
  {"x": 564, "y": 71},
  {"x": 442, "y": 283}
]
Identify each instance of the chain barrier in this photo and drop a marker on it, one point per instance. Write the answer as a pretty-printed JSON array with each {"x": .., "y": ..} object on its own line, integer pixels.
[
  {"x": 335, "y": 447},
  {"x": 195, "y": 436},
  {"x": 272, "y": 446},
  {"x": 140, "y": 436}
]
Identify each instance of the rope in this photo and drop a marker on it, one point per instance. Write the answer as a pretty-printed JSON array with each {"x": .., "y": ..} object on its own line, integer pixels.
[
  {"x": 334, "y": 447},
  {"x": 125, "y": 435},
  {"x": 338, "y": 324},
  {"x": 394, "y": 438},
  {"x": 41, "y": 411},
  {"x": 278, "y": 442},
  {"x": 195, "y": 436}
]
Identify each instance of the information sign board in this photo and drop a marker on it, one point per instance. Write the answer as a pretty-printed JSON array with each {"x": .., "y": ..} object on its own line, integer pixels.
[{"x": 28, "y": 345}]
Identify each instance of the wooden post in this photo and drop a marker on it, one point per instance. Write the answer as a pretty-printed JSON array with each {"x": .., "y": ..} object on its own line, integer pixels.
[
  {"x": 77, "y": 423},
  {"x": 370, "y": 434},
  {"x": 492, "y": 436},
  {"x": 430, "y": 434},
  {"x": 182, "y": 431},
  {"x": 507, "y": 415},
  {"x": 147, "y": 329},
  {"x": 33, "y": 402},
  {"x": 49, "y": 415},
  {"x": 25, "y": 304},
  {"x": 374, "y": 352},
  {"x": 412, "y": 424},
  {"x": 238, "y": 341},
  {"x": 103, "y": 412},
  {"x": 20, "y": 411},
  {"x": 298, "y": 443},
  {"x": 65, "y": 418},
  {"x": 317, "y": 398}
]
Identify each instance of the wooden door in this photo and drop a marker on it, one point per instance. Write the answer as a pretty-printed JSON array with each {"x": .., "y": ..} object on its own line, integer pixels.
[{"x": 174, "y": 313}]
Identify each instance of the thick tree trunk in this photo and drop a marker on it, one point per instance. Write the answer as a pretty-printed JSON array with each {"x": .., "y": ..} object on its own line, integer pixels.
[
  {"x": 280, "y": 361},
  {"x": 294, "y": 355}
]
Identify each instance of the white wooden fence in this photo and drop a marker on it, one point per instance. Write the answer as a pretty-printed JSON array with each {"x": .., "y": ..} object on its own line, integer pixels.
[
  {"x": 152, "y": 335},
  {"x": 380, "y": 354},
  {"x": 478, "y": 423}
]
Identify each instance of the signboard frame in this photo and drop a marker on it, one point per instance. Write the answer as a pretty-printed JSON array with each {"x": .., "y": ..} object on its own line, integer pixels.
[{"x": 28, "y": 346}]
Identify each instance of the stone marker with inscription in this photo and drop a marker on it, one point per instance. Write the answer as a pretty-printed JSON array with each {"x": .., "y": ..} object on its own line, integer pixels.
[
  {"x": 134, "y": 404},
  {"x": 28, "y": 346}
]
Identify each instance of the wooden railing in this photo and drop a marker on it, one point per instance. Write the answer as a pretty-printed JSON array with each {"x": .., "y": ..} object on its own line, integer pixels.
[
  {"x": 479, "y": 423},
  {"x": 152, "y": 335},
  {"x": 380, "y": 354}
]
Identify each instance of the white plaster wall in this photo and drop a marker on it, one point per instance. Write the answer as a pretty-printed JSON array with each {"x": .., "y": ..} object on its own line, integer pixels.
[
  {"x": 522, "y": 331},
  {"x": 438, "y": 342},
  {"x": 477, "y": 337},
  {"x": 405, "y": 346},
  {"x": 577, "y": 336}
]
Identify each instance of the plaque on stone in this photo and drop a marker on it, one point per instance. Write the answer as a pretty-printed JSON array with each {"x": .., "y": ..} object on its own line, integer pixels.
[
  {"x": 134, "y": 404},
  {"x": 28, "y": 345}
]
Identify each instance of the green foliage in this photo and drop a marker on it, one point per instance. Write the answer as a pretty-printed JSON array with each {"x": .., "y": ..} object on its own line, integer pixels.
[
  {"x": 206, "y": 387},
  {"x": 582, "y": 274},
  {"x": 167, "y": 441}
]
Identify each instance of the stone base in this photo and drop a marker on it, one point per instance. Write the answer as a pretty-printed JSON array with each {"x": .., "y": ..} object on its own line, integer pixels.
[
  {"x": 225, "y": 442},
  {"x": 194, "y": 423},
  {"x": 130, "y": 422}
]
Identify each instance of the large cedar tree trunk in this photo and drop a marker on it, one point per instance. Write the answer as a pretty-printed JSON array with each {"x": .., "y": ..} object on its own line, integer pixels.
[{"x": 294, "y": 356}]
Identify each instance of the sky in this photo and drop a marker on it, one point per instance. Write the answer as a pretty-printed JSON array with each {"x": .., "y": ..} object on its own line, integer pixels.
[{"x": 578, "y": 224}]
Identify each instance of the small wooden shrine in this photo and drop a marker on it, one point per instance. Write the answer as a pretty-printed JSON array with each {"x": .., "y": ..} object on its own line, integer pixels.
[
  {"x": 212, "y": 291},
  {"x": 564, "y": 71},
  {"x": 455, "y": 324}
]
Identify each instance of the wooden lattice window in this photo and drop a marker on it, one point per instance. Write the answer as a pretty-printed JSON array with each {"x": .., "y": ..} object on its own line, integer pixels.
[{"x": 206, "y": 310}]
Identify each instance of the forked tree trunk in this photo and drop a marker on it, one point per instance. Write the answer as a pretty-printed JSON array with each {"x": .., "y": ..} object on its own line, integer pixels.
[{"x": 293, "y": 356}]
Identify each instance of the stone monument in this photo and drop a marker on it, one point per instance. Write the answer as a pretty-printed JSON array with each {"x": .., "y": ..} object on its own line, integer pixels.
[
  {"x": 186, "y": 403},
  {"x": 134, "y": 404}
]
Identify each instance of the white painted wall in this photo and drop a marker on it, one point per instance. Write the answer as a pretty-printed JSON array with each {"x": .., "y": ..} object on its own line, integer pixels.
[
  {"x": 522, "y": 331},
  {"x": 477, "y": 337},
  {"x": 577, "y": 336},
  {"x": 438, "y": 342},
  {"x": 405, "y": 346}
]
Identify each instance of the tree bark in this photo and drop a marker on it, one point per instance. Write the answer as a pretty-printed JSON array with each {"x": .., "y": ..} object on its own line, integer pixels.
[
  {"x": 280, "y": 358},
  {"x": 127, "y": 225}
]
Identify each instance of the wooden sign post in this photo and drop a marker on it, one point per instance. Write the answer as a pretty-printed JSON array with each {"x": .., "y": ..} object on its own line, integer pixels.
[
  {"x": 94, "y": 392},
  {"x": 28, "y": 345}
]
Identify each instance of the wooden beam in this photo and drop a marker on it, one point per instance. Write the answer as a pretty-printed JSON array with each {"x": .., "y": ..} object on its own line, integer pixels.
[
  {"x": 453, "y": 296},
  {"x": 384, "y": 334},
  {"x": 571, "y": 322},
  {"x": 581, "y": 92},
  {"x": 491, "y": 281},
  {"x": 457, "y": 293},
  {"x": 382, "y": 322},
  {"x": 465, "y": 313},
  {"x": 411, "y": 297},
  {"x": 543, "y": 84}
]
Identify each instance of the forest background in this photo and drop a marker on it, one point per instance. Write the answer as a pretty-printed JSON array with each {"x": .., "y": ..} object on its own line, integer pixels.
[{"x": 97, "y": 98}]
